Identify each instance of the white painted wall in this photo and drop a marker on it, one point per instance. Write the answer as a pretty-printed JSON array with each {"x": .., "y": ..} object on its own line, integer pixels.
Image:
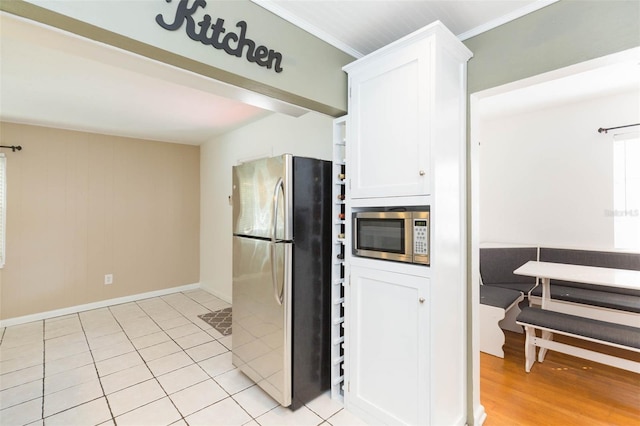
[
  {"x": 306, "y": 136},
  {"x": 546, "y": 176}
]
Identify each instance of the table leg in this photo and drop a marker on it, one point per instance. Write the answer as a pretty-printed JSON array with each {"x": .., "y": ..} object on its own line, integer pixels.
[
  {"x": 546, "y": 296},
  {"x": 546, "y": 292}
]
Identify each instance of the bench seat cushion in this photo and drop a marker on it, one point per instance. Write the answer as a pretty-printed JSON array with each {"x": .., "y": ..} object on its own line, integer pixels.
[
  {"x": 603, "y": 259},
  {"x": 522, "y": 288},
  {"x": 599, "y": 330},
  {"x": 589, "y": 296},
  {"x": 498, "y": 263},
  {"x": 498, "y": 297}
]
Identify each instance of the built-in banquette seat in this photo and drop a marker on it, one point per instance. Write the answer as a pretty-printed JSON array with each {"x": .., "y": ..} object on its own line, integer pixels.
[
  {"x": 498, "y": 263},
  {"x": 501, "y": 293},
  {"x": 498, "y": 309}
]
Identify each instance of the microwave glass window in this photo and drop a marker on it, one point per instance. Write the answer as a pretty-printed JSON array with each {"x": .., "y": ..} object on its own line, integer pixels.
[{"x": 381, "y": 235}]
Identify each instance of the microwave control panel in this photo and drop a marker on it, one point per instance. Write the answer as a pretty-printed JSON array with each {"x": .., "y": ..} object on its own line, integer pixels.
[{"x": 420, "y": 237}]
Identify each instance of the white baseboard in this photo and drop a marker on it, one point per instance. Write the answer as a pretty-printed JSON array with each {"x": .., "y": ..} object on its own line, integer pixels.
[
  {"x": 95, "y": 305},
  {"x": 219, "y": 295},
  {"x": 480, "y": 415}
]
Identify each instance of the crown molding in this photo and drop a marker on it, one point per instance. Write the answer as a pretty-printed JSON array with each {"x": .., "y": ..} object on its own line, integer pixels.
[
  {"x": 305, "y": 25},
  {"x": 519, "y": 13}
]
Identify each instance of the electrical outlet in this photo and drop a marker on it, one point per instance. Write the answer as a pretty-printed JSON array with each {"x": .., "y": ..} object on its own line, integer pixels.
[{"x": 108, "y": 279}]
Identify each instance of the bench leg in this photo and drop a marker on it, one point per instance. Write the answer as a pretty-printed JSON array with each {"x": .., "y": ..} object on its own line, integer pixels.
[
  {"x": 509, "y": 321},
  {"x": 529, "y": 348},
  {"x": 491, "y": 335},
  {"x": 546, "y": 335}
]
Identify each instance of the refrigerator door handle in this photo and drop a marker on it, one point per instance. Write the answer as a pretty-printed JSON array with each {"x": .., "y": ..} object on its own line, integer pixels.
[
  {"x": 274, "y": 276},
  {"x": 274, "y": 270}
]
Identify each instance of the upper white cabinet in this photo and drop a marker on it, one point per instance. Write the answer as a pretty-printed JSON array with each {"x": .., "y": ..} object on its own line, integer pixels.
[
  {"x": 402, "y": 99},
  {"x": 389, "y": 113}
]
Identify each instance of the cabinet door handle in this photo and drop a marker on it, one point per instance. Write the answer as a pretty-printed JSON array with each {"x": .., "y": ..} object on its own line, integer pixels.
[
  {"x": 421, "y": 173},
  {"x": 421, "y": 300}
]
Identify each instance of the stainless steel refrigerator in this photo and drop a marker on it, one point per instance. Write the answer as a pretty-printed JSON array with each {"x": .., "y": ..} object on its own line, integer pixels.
[{"x": 281, "y": 275}]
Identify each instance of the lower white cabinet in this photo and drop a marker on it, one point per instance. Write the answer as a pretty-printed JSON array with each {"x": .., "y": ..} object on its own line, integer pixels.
[{"x": 389, "y": 335}]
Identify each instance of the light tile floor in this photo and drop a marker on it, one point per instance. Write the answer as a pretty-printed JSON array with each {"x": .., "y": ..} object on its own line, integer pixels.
[{"x": 150, "y": 362}]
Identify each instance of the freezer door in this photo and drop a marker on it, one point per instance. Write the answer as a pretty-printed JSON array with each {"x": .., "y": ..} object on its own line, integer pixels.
[
  {"x": 262, "y": 198},
  {"x": 261, "y": 320}
]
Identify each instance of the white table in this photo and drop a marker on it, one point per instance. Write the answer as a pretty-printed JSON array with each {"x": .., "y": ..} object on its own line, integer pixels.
[{"x": 546, "y": 271}]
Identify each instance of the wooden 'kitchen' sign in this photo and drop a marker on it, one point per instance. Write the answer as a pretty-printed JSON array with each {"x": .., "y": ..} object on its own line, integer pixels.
[{"x": 216, "y": 35}]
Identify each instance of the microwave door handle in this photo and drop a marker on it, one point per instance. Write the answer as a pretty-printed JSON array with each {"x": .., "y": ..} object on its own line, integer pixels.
[
  {"x": 355, "y": 235},
  {"x": 274, "y": 270}
]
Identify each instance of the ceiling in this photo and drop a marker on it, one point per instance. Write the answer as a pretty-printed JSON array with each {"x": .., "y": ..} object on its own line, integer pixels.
[
  {"x": 56, "y": 79},
  {"x": 359, "y": 27},
  {"x": 52, "y": 78}
]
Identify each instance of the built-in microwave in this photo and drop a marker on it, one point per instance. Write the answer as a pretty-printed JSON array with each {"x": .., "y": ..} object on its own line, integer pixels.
[{"x": 401, "y": 236}]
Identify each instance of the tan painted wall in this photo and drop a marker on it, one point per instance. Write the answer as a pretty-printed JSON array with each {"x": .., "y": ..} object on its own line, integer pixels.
[{"x": 83, "y": 205}]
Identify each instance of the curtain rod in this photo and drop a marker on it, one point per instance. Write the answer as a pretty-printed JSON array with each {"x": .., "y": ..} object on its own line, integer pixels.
[
  {"x": 603, "y": 130},
  {"x": 14, "y": 148}
]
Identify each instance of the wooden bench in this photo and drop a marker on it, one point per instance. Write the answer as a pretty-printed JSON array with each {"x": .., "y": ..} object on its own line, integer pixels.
[
  {"x": 498, "y": 310},
  {"x": 550, "y": 323}
]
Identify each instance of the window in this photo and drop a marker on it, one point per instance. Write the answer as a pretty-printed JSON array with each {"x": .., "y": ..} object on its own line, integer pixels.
[
  {"x": 3, "y": 206},
  {"x": 626, "y": 191}
]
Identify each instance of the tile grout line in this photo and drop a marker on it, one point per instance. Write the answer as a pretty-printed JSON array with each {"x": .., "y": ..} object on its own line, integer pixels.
[
  {"x": 255, "y": 384},
  {"x": 197, "y": 362},
  {"x": 144, "y": 361},
  {"x": 232, "y": 395},
  {"x": 61, "y": 390},
  {"x": 182, "y": 309},
  {"x": 182, "y": 417},
  {"x": 229, "y": 395},
  {"x": 14, "y": 371},
  {"x": 44, "y": 366},
  {"x": 95, "y": 367}
]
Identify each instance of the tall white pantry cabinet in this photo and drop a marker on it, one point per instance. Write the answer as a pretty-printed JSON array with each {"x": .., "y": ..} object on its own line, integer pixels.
[{"x": 405, "y": 325}]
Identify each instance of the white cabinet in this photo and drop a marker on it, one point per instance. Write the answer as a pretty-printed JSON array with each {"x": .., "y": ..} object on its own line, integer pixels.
[
  {"x": 406, "y": 361},
  {"x": 389, "y": 123},
  {"x": 389, "y": 338},
  {"x": 403, "y": 99}
]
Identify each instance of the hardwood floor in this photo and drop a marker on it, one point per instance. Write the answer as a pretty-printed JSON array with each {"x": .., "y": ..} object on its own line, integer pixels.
[{"x": 563, "y": 390}]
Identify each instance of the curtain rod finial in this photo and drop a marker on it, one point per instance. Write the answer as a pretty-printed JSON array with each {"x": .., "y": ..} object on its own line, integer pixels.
[
  {"x": 13, "y": 148},
  {"x": 602, "y": 130}
]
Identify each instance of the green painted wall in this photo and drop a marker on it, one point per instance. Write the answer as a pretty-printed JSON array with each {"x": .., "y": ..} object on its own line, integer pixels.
[
  {"x": 562, "y": 34},
  {"x": 312, "y": 75}
]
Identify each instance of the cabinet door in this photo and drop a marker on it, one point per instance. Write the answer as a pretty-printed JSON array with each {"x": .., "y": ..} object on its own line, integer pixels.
[
  {"x": 390, "y": 113},
  {"x": 388, "y": 359}
]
